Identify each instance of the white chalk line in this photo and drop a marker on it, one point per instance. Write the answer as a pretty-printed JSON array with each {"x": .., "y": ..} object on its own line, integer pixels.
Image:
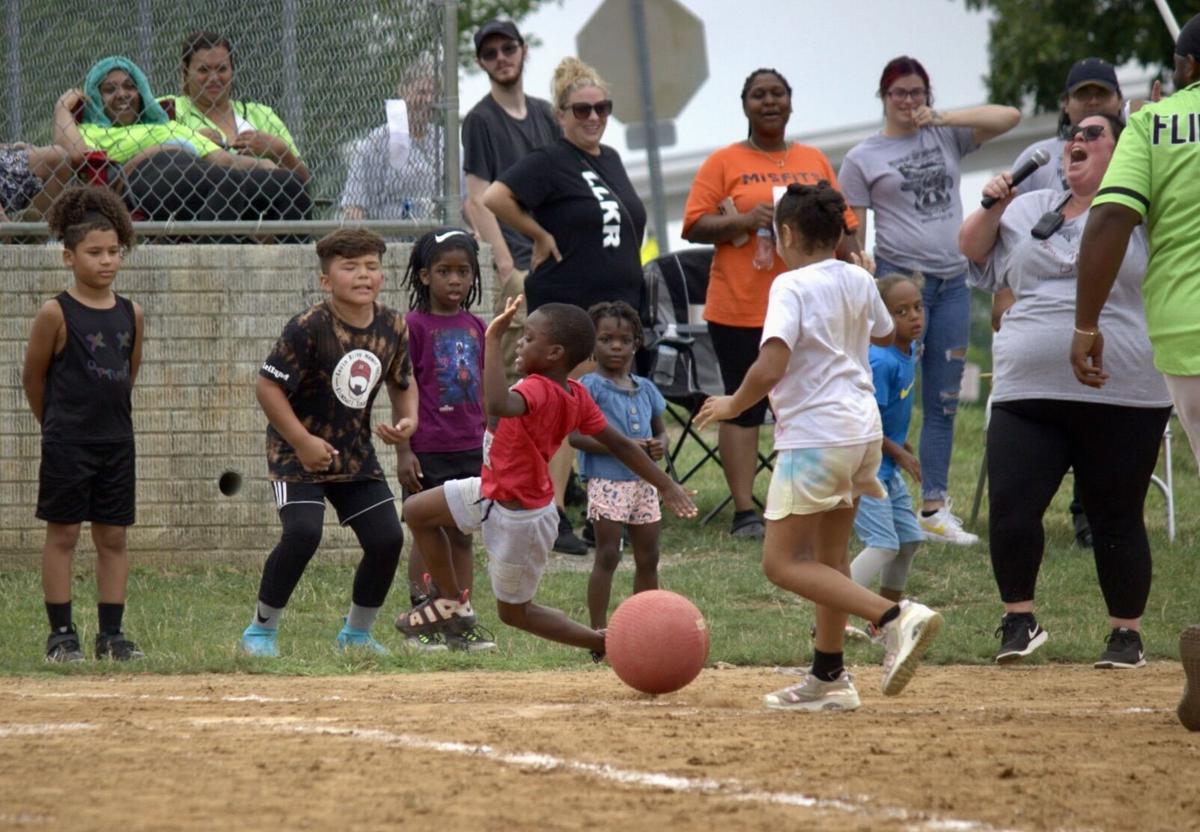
[
  {"x": 26, "y": 729},
  {"x": 726, "y": 789}
]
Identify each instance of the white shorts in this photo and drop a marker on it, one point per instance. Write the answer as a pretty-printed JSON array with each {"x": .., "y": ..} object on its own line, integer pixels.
[
  {"x": 517, "y": 542},
  {"x": 813, "y": 480}
]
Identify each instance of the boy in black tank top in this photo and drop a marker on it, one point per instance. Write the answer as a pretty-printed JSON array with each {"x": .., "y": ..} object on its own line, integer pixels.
[{"x": 83, "y": 356}]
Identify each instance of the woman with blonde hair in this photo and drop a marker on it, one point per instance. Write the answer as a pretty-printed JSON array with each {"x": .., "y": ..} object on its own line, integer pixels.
[{"x": 574, "y": 200}]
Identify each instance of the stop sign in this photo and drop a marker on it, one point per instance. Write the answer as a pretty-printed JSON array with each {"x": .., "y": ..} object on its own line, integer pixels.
[{"x": 678, "y": 59}]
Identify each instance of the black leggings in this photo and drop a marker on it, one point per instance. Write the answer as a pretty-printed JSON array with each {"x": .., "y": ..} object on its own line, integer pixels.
[
  {"x": 737, "y": 348},
  {"x": 175, "y": 184},
  {"x": 1113, "y": 450},
  {"x": 378, "y": 532}
]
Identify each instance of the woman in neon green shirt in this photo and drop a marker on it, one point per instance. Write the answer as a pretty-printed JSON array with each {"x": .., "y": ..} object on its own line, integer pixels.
[
  {"x": 168, "y": 170},
  {"x": 206, "y": 106}
]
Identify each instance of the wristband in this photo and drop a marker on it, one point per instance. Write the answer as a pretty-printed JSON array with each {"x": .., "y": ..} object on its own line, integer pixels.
[{"x": 1091, "y": 332}]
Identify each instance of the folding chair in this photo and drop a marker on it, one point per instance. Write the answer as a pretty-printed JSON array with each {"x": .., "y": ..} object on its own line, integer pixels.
[{"x": 679, "y": 357}]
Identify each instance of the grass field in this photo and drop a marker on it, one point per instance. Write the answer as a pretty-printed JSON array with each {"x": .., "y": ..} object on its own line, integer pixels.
[{"x": 188, "y": 618}]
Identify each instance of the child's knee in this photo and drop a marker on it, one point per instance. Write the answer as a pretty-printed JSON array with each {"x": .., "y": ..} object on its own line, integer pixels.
[
  {"x": 109, "y": 540},
  {"x": 425, "y": 510},
  {"x": 514, "y": 615},
  {"x": 607, "y": 558}
]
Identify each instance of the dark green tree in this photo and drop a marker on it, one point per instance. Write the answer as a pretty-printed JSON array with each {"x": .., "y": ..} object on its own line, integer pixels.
[{"x": 1033, "y": 43}]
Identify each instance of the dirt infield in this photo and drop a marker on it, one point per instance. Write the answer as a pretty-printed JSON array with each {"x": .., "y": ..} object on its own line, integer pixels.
[{"x": 963, "y": 749}]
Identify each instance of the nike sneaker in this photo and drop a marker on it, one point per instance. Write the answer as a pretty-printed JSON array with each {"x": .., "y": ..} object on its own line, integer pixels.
[
  {"x": 1019, "y": 635},
  {"x": 1124, "y": 650}
]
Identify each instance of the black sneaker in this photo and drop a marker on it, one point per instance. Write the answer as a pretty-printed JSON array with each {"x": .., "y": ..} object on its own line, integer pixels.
[
  {"x": 1019, "y": 636},
  {"x": 116, "y": 647},
  {"x": 1124, "y": 650},
  {"x": 64, "y": 647},
  {"x": 1083, "y": 530},
  {"x": 475, "y": 639},
  {"x": 576, "y": 494},
  {"x": 566, "y": 542}
]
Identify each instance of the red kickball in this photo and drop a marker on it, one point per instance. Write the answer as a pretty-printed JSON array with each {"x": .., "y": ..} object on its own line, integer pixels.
[{"x": 657, "y": 641}]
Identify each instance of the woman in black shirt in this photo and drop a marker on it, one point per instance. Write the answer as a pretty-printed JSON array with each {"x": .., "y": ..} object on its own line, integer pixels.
[{"x": 574, "y": 200}]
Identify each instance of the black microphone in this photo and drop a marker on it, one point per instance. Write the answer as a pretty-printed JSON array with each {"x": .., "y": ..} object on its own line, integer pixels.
[{"x": 1039, "y": 158}]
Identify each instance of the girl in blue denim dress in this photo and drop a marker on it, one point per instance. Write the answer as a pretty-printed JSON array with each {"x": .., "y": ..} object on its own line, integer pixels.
[{"x": 617, "y": 497}]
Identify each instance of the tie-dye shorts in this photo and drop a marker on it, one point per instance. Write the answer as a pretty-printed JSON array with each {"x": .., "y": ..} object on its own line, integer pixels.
[{"x": 813, "y": 480}]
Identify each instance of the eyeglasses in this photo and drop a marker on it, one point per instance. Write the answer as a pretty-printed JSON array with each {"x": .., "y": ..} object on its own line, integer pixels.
[
  {"x": 916, "y": 94},
  {"x": 583, "y": 110},
  {"x": 1085, "y": 134},
  {"x": 507, "y": 49}
]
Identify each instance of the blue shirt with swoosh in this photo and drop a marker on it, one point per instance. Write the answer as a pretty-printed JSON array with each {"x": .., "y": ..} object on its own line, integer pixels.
[{"x": 894, "y": 374}]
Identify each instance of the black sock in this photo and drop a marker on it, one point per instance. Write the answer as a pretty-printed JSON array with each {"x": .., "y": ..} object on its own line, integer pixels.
[
  {"x": 60, "y": 616},
  {"x": 740, "y": 515},
  {"x": 928, "y": 513},
  {"x": 110, "y": 618},
  {"x": 891, "y": 614},
  {"x": 827, "y": 666}
]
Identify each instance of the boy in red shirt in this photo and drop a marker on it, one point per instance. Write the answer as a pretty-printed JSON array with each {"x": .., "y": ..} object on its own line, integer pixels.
[{"x": 512, "y": 502}]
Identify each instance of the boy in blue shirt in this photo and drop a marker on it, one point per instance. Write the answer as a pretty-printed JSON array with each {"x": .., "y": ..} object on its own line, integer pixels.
[{"x": 888, "y": 526}]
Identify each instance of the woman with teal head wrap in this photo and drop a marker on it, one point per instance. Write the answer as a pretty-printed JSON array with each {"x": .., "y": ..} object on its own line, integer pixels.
[{"x": 167, "y": 169}]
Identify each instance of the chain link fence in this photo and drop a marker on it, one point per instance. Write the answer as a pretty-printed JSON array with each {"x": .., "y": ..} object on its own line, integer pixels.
[{"x": 289, "y": 131}]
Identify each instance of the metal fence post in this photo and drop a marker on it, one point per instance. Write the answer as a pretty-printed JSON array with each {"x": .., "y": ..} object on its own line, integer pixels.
[
  {"x": 13, "y": 27},
  {"x": 452, "y": 197},
  {"x": 293, "y": 101}
]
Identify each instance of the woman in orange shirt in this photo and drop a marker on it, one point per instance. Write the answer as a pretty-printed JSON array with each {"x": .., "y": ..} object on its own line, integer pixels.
[{"x": 731, "y": 205}]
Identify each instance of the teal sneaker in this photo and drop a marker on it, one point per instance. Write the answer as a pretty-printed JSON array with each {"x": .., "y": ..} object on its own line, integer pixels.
[
  {"x": 350, "y": 639},
  {"x": 260, "y": 641}
]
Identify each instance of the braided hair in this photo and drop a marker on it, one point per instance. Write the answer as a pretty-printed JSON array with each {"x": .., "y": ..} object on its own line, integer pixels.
[
  {"x": 80, "y": 210},
  {"x": 621, "y": 311},
  {"x": 816, "y": 212},
  {"x": 426, "y": 251}
]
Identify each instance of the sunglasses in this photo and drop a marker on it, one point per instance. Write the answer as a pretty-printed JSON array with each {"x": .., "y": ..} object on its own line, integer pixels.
[
  {"x": 1086, "y": 134},
  {"x": 583, "y": 111},
  {"x": 508, "y": 50}
]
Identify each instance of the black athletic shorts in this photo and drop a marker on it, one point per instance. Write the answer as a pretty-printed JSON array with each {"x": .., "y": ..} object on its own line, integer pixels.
[
  {"x": 737, "y": 348},
  {"x": 349, "y": 498},
  {"x": 439, "y": 468},
  {"x": 94, "y": 482}
]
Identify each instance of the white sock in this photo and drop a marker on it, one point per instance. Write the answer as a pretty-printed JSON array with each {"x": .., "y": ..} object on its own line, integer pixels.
[
  {"x": 361, "y": 618},
  {"x": 265, "y": 616},
  {"x": 865, "y": 568}
]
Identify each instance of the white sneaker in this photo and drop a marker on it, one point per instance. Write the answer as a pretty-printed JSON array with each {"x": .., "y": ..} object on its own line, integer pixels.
[
  {"x": 812, "y": 694},
  {"x": 944, "y": 526},
  {"x": 906, "y": 638}
]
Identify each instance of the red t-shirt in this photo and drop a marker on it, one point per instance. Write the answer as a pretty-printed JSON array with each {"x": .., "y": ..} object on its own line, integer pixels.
[{"x": 516, "y": 452}]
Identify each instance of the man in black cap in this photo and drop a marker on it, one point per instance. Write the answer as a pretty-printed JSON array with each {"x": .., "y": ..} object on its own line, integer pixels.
[
  {"x": 1154, "y": 177},
  {"x": 505, "y": 125},
  {"x": 1091, "y": 89}
]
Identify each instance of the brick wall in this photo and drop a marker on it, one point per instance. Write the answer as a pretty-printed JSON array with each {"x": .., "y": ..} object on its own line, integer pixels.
[{"x": 212, "y": 314}]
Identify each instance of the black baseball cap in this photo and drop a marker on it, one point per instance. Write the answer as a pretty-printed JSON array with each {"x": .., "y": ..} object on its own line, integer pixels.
[
  {"x": 1188, "y": 42},
  {"x": 1092, "y": 71},
  {"x": 497, "y": 27}
]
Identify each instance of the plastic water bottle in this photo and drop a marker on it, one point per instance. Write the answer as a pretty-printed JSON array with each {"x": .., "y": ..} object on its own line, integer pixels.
[{"x": 764, "y": 250}]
